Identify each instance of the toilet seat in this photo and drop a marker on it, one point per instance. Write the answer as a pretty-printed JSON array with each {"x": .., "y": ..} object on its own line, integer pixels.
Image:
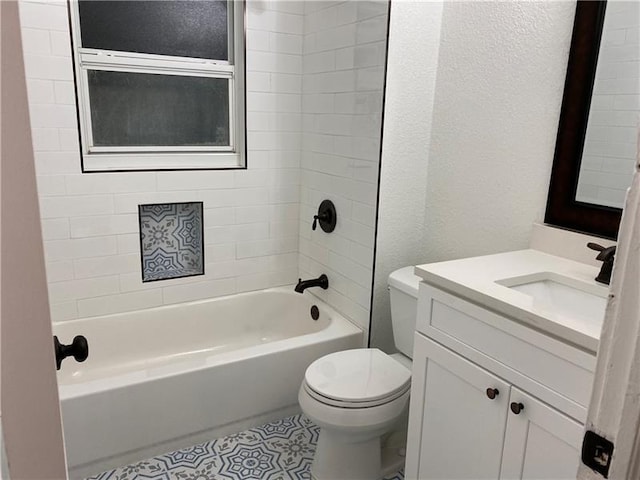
[
  {"x": 360, "y": 404},
  {"x": 359, "y": 378}
]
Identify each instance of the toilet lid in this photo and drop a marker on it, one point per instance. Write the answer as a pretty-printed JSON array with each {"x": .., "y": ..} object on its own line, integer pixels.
[{"x": 360, "y": 375}]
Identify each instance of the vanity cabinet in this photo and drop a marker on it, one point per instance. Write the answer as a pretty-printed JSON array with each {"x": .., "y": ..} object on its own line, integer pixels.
[
  {"x": 488, "y": 399},
  {"x": 540, "y": 442}
]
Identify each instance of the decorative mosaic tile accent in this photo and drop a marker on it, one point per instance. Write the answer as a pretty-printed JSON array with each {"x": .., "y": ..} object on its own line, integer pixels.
[
  {"x": 171, "y": 240},
  {"x": 281, "y": 450}
]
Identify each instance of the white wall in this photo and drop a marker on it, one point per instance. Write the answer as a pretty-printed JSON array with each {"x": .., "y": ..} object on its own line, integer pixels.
[
  {"x": 343, "y": 79},
  {"x": 414, "y": 35},
  {"x": 609, "y": 153},
  {"x": 499, "y": 88},
  {"x": 315, "y": 74},
  {"x": 500, "y": 78},
  {"x": 90, "y": 220}
]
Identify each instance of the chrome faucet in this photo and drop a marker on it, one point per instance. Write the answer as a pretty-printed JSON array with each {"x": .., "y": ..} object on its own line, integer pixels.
[{"x": 322, "y": 281}]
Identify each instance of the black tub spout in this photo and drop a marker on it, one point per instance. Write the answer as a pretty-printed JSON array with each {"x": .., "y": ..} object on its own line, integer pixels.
[{"x": 322, "y": 281}]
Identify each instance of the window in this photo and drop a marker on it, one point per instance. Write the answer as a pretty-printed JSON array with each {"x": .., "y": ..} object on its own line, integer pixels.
[{"x": 160, "y": 84}]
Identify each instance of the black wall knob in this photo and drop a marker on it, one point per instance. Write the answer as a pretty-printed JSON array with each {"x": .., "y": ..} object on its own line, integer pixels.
[
  {"x": 492, "y": 393},
  {"x": 79, "y": 349},
  {"x": 516, "y": 407}
]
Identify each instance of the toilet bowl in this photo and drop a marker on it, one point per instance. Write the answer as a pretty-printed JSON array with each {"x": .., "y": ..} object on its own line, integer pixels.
[{"x": 358, "y": 396}]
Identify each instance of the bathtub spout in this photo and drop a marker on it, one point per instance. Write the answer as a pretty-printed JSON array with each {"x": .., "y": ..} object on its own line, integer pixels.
[{"x": 322, "y": 281}]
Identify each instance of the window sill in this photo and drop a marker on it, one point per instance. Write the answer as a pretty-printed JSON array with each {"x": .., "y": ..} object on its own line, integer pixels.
[{"x": 158, "y": 161}]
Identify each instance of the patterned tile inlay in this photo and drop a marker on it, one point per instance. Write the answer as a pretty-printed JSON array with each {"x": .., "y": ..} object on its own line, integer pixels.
[
  {"x": 281, "y": 450},
  {"x": 171, "y": 240}
]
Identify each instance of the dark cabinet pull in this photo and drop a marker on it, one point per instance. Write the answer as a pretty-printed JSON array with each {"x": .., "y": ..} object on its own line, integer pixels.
[
  {"x": 516, "y": 407},
  {"x": 492, "y": 393}
]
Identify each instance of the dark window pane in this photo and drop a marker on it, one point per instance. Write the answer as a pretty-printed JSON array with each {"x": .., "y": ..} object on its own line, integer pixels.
[
  {"x": 139, "y": 109},
  {"x": 195, "y": 28}
]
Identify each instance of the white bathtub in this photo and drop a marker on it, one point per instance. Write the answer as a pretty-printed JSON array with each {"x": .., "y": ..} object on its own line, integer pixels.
[{"x": 169, "y": 377}]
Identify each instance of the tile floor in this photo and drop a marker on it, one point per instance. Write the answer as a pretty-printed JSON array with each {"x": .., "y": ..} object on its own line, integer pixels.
[{"x": 281, "y": 450}]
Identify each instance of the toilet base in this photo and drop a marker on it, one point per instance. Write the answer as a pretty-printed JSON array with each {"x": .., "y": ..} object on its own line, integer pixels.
[
  {"x": 394, "y": 447},
  {"x": 338, "y": 456},
  {"x": 336, "y": 459}
]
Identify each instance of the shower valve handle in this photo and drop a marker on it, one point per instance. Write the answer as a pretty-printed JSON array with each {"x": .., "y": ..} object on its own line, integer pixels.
[
  {"x": 323, "y": 217},
  {"x": 78, "y": 349}
]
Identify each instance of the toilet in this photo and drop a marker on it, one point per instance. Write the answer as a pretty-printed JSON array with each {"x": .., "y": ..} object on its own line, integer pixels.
[{"x": 357, "y": 397}]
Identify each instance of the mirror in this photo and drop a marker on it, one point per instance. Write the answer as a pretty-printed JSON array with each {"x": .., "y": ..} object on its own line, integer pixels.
[{"x": 597, "y": 133}]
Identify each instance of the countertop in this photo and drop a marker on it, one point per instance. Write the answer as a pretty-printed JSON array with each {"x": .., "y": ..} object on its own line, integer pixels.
[{"x": 475, "y": 279}]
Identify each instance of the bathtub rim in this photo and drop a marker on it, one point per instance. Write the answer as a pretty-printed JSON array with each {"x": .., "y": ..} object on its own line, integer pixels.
[{"x": 288, "y": 289}]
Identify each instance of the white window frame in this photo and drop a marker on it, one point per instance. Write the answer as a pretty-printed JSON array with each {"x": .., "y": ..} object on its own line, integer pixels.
[{"x": 127, "y": 158}]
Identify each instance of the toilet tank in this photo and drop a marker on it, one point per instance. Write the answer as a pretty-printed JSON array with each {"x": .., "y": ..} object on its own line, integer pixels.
[{"x": 403, "y": 292}]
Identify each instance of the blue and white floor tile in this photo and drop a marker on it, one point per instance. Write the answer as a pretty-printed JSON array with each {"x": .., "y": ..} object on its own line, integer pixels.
[{"x": 281, "y": 450}]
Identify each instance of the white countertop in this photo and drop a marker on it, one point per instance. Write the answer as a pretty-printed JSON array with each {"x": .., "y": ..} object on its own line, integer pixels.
[{"x": 475, "y": 279}]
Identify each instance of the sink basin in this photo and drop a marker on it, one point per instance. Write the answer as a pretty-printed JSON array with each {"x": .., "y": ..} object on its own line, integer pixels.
[{"x": 562, "y": 295}]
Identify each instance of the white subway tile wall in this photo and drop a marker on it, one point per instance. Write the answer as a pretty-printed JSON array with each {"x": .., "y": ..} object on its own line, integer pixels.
[
  {"x": 314, "y": 99},
  {"x": 342, "y": 90},
  {"x": 610, "y": 144},
  {"x": 90, "y": 224}
]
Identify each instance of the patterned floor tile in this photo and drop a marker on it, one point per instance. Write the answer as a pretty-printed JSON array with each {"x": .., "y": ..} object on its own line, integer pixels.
[
  {"x": 282, "y": 450},
  {"x": 250, "y": 462},
  {"x": 281, "y": 429},
  {"x": 397, "y": 476},
  {"x": 192, "y": 457}
]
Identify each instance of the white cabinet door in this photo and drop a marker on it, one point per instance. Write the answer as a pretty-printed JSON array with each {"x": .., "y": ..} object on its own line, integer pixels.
[
  {"x": 540, "y": 442},
  {"x": 455, "y": 430}
]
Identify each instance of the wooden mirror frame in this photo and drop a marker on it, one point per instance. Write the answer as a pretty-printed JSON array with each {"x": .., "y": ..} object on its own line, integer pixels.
[{"x": 563, "y": 209}]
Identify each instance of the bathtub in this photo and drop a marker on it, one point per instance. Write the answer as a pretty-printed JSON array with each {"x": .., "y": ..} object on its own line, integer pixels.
[{"x": 165, "y": 378}]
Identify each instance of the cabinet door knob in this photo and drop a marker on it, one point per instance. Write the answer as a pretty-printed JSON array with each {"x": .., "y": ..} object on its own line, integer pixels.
[
  {"x": 492, "y": 393},
  {"x": 516, "y": 407}
]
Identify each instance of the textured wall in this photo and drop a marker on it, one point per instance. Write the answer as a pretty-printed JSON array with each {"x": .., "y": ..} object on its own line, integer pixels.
[
  {"x": 500, "y": 78},
  {"x": 342, "y": 89},
  {"x": 498, "y": 93},
  {"x": 411, "y": 81},
  {"x": 90, "y": 221}
]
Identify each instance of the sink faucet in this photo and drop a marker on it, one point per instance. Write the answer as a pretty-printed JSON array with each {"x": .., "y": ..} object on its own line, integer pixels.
[
  {"x": 322, "y": 281},
  {"x": 606, "y": 255}
]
